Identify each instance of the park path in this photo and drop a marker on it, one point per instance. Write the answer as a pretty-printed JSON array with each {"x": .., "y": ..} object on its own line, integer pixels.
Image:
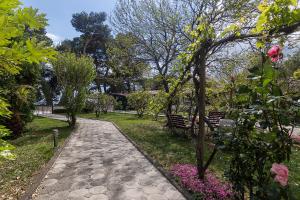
[{"x": 99, "y": 163}]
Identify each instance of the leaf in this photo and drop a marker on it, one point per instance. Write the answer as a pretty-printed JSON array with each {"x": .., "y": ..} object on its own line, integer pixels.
[
  {"x": 276, "y": 91},
  {"x": 260, "y": 44},
  {"x": 266, "y": 82}
]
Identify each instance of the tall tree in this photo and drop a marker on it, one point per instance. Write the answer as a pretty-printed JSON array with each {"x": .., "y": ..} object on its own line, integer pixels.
[
  {"x": 126, "y": 69},
  {"x": 154, "y": 24},
  {"x": 92, "y": 41}
]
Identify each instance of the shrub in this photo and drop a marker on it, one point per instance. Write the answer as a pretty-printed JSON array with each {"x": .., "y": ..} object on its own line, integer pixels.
[
  {"x": 209, "y": 189},
  {"x": 75, "y": 75},
  {"x": 139, "y": 101},
  {"x": 157, "y": 104},
  {"x": 102, "y": 102}
]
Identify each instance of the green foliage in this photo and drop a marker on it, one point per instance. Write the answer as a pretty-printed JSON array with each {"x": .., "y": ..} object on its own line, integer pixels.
[
  {"x": 17, "y": 48},
  {"x": 102, "y": 102},
  {"x": 157, "y": 104},
  {"x": 14, "y": 21},
  {"x": 127, "y": 70},
  {"x": 75, "y": 75},
  {"x": 274, "y": 14},
  {"x": 139, "y": 101},
  {"x": 297, "y": 74}
]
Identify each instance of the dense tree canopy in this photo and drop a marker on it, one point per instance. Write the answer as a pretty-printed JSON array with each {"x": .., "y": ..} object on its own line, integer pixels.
[{"x": 127, "y": 69}]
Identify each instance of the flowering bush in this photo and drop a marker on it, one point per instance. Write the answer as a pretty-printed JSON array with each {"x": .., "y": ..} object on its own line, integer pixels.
[
  {"x": 260, "y": 139},
  {"x": 209, "y": 189}
]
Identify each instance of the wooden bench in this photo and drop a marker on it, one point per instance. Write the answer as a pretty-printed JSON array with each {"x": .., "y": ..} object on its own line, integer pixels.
[
  {"x": 178, "y": 121},
  {"x": 214, "y": 118}
]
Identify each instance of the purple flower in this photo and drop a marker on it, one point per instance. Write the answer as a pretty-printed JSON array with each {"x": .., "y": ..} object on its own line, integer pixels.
[{"x": 210, "y": 188}]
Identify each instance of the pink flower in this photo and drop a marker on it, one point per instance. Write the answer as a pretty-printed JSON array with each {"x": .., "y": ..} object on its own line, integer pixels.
[
  {"x": 296, "y": 138},
  {"x": 281, "y": 173},
  {"x": 275, "y": 53},
  {"x": 210, "y": 188}
]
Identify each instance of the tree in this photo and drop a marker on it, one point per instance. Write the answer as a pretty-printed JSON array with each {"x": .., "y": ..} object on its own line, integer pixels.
[
  {"x": 154, "y": 24},
  {"x": 16, "y": 48},
  {"x": 49, "y": 85},
  {"x": 94, "y": 32},
  {"x": 127, "y": 69},
  {"x": 139, "y": 101},
  {"x": 93, "y": 42},
  {"x": 75, "y": 75}
]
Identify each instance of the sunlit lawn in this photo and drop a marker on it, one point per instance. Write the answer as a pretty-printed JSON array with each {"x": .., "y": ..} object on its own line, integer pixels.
[
  {"x": 33, "y": 150},
  {"x": 169, "y": 149}
]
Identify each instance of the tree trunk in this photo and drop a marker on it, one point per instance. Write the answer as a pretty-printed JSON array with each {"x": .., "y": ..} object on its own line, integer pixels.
[
  {"x": 52, "y": 106},
  {"x": 86, "y": 45},
  {"x": 73, "y": 120},
  {"x": 167, "y": 90},
  {"x": 201, "y": 113}
]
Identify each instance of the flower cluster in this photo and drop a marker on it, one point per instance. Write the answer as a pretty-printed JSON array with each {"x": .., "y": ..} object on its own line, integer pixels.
[
  {"x": 281, "y": 173},
  {"x": 210, "y": 188}
]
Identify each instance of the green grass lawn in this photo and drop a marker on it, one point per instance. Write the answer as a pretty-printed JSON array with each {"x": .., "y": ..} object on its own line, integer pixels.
[
  {"x": 169, "y": 149},
  {"x": 33, "y": 150}
]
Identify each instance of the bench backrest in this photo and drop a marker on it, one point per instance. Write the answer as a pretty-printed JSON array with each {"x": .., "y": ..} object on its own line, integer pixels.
[
  {"x": 215, "y": 116},
  {"x": 177, "y": 121}
]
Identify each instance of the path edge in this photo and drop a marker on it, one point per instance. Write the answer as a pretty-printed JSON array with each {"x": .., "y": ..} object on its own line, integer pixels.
[
  {"x": 158, "y": 166},
  {"x": 39, "y": 177}
]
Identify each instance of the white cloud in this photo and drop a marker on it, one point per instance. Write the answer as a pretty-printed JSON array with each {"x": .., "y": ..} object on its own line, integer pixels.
[{"x": 55, "y": 38}]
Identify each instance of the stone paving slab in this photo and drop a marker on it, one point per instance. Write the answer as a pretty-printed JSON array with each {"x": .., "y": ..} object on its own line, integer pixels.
[{"x": 99, "y": 163}]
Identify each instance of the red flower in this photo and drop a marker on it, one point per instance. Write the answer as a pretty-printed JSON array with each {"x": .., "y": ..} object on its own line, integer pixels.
[{"x": 275, "y": 53}]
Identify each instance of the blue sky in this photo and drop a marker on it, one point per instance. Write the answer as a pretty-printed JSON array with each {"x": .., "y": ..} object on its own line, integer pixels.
[{"x": 59, "y": 14}]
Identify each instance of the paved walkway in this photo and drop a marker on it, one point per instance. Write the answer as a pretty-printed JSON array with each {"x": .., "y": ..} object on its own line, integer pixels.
[{"x": 99, "y": 163}]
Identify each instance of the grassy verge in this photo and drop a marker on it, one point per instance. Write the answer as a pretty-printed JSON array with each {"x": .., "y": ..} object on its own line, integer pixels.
[
  {"x": 169, "y": 149},
  {"x": 33, "y": 150}
]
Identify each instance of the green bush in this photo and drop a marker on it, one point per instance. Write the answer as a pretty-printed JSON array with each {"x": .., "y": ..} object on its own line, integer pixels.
[
  {"x": 102, "y": 102},
  {"x": 74, "y": 74},
  {"x": 139, "y": 101}
]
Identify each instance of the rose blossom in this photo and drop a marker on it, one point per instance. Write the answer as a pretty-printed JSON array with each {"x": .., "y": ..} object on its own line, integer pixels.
[
  {"x": 275, "y": 53},
  {"x": 281, "y": 171}
]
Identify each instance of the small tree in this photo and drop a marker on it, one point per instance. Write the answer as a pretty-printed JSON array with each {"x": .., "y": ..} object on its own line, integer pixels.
[
  {"x": 102, "y": 102},
  {"x": 74, "y": 74},
  {"x": 139, "y": 101}
]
